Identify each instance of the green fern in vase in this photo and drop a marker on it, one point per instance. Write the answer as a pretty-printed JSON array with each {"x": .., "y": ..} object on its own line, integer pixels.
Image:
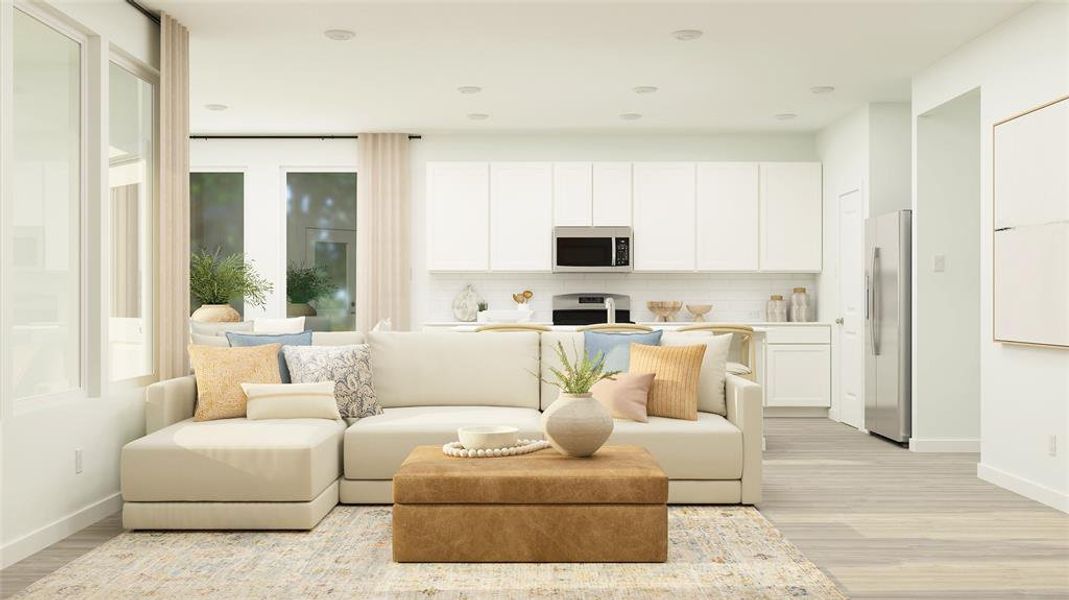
[{"x": 579, "y": 374}]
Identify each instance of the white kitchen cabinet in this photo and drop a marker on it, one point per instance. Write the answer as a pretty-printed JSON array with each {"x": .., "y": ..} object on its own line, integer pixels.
[
  {"x": 727, "y": 217},
  {"x": 458, "y": 216},
  {"x": 612, "y": 194},
  {"x": 791, "y": 217},
  {"x": 798, "y": 375},
  {"x": 521, "y": 216},
  {"x": 663, "y": 216},
  {"x": 572, "y": 194}
]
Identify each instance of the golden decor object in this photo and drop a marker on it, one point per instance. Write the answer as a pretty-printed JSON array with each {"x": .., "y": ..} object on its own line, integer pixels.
[{"x": 664, "y": 309}]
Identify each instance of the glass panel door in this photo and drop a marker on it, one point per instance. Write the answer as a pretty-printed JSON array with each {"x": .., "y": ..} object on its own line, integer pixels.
[
  {"x": 321, "y": 249},
  {"x": 217, "y": 218}
]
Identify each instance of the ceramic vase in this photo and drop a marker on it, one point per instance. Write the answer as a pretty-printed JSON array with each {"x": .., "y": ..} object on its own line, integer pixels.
[
  {"x": 215, "y": 313},
  {"x": 300, "y": 309},
  {"x": 466, "y": 304},
  {"x": 576, "y": 424}
]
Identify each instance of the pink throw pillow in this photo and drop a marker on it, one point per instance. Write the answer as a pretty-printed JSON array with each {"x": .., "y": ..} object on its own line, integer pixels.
[{"x": 625, "y": 396}]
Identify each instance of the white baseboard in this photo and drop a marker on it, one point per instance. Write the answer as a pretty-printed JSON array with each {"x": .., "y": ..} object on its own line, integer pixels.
[
  {"x": 970, "y": 445},
  {"x": 1029, "y": 489},
  {"x": 38, "y": 540},
  {"x": 796, "y": 411}
]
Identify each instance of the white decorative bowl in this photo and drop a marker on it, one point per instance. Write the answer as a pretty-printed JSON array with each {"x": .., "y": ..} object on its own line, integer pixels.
[{"x": 488, "y": 437}]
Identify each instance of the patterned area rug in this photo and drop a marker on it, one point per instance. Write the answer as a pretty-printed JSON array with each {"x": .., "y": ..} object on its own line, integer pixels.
[{"x": 714, "y": 552}]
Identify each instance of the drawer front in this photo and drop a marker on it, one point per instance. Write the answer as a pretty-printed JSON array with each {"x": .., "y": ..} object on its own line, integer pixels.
[{"x": 798, "y": 334}]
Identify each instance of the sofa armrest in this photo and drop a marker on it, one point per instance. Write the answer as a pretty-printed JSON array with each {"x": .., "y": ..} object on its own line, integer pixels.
[
  {"x": 168, "y": 402},
  {"x": 746, "y": 411}
]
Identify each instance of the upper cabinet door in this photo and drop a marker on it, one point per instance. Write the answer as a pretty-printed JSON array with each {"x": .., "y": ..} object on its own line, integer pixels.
[
  {"x": 572, "y": 194},
  {"x": 726, "y": 217},
  {"x": 612, "y": 194},
  {"x": 791, "y": 238},
  {"x": 664, "y": 216},
  {"x": 458, "y": 216},
  {"x": 521, "y": 216}
]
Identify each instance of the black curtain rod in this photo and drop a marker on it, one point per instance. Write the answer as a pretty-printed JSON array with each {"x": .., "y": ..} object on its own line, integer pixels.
[
  {"x": 284, "y": 137},
  {"x": 148, "y": 13}
]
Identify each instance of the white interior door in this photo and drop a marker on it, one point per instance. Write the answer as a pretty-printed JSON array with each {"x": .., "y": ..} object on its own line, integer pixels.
[{"x": 851, "y": 399}]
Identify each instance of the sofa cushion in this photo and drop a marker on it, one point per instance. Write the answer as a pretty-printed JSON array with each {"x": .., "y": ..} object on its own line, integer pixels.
[
  {"x": 241, "y": 340},
  {"x": 337, "y": 338},
  {"x": 614, "y": 348},
  {"x": 376, "y": 446},
  {"x": 709, "y": 448},
  {"x": 439, "y": 369},
  {"x": 233, "y": 460}
]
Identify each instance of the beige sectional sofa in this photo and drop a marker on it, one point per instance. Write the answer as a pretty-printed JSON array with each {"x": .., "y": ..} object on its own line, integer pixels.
[{"x": 288, "y": 474}]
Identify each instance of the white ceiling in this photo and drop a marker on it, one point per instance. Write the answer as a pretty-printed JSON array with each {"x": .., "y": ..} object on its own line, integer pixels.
[{"x": 552, "y": 66}]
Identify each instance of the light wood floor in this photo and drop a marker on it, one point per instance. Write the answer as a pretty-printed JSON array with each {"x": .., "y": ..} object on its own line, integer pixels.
[{"x": 883, "y": 522}]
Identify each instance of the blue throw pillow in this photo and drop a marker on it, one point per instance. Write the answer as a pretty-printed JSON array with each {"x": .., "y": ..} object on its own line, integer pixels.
[
  {"x": 286, "y": 339},
  {"x": 616, "y": 347}
]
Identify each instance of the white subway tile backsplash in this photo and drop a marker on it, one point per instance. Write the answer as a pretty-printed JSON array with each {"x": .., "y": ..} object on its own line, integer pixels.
[{"x": 735, "y": 297}]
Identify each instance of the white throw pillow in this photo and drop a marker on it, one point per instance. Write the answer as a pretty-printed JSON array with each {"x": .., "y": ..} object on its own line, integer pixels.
[
  {"x": 738, "y": 369},
  {"x": 209, "y": 340},
  {"x": 291, "y": 400},
  {"x": 714, "y": 367},
  {"x": 294, "y": 325},
  {"x": 219, "y": 329}
]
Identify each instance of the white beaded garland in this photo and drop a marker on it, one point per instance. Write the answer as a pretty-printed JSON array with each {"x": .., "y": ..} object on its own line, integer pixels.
[{"x": 522, "y": 447}]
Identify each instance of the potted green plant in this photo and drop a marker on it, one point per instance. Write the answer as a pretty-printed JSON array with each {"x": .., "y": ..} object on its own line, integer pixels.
[
  {"x": 304, "y": 285},
  {"x": 216, "y": 280},
  {"x": 576, "y": 424}
]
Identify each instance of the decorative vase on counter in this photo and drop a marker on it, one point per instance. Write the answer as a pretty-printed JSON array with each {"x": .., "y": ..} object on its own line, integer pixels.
[
  {"x": 577, "y": 424},
  {"x": 776, "y": 309},
  {"x": 466, "y": 304},
  {"x": 800, "y": 311},
  {"x": 216, "y": 313}
]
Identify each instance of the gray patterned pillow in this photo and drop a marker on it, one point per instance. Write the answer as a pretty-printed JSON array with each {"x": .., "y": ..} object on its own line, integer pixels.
[{"x": 349, "y": 367}]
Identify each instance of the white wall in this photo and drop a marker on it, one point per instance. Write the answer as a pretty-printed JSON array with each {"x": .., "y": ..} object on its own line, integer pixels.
[
  {"x": 734, "y": 295},
  {"x": 946, "y": 306},
  {"x": 264, "y": 163},
  {"x": 42, "y": 500},
  {"x": 1023, "y": 391},
  {"x": 890, "y": 149}
]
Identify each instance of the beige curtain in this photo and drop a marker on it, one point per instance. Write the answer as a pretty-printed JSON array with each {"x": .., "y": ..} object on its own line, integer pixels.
[
  {"x": 383, "y": 266},
  {"x": 173, "y": 267}
]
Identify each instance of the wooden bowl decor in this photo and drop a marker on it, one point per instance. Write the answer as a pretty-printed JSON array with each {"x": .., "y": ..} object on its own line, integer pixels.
[
  {"x": 699, "y": 311},
  {"x": 664, "y": 309}
]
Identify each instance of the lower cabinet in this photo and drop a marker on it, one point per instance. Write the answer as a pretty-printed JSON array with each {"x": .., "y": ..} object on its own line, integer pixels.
[{"x": 798, "y": 367}]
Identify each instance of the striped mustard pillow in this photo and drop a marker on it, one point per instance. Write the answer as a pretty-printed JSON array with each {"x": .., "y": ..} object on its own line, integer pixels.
[{"x": 676, "y": 370}]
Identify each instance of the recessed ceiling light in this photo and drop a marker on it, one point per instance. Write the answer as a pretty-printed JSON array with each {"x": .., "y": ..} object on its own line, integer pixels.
[
  {"x": 644, "y": 89},
  {"x": 469, "y": 89},
  {"x": 216, "y": 107},
  {"x": 478, "y": 116},
  {"x": 339, "y": 35},
  {"x": 785, "y": 116},
  {"x": 686, "y": 35},
  {"x": 822, "y": 89},
  {"x": 630, "y": 116}
]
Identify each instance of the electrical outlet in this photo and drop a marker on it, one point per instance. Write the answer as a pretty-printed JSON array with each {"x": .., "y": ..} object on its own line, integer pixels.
[
  {"x": 1052, "y": 446},
  {"x": 939, "y": 263},
  {"x": 77, "y": 461}
]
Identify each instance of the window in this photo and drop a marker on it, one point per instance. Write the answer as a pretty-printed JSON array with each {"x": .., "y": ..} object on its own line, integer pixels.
[
  {"x": 321, "y": 234},
  {"x": 132, "y": 194},
  {"x": 46, "y": 291},
  {"x": 217, "y": 217}
]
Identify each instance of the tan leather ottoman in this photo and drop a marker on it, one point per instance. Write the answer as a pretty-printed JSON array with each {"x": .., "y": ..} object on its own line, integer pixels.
[{"x": 539, "y": 507}]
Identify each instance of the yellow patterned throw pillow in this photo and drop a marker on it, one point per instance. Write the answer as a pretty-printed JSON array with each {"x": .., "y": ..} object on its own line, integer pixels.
[
  {"x": 220, "y": 373},
  {"x": 676, "y": 369}
]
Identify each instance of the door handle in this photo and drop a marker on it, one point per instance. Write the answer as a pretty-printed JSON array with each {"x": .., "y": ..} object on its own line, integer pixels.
[
  {"x": 874, "y": 320},
  {"x": 839, "y": 321}
]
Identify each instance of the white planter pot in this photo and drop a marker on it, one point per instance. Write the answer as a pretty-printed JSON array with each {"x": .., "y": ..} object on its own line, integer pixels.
[
  {"x": 216, "y": 313},
  {"x": 577, "y": 424}
]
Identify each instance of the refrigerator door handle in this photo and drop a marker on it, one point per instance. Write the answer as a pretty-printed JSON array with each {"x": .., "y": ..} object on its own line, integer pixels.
[{"x": 874, "y": 319}]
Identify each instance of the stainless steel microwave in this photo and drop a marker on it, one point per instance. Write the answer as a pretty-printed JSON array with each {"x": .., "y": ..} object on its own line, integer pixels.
[{"x": 592, "y": 250}]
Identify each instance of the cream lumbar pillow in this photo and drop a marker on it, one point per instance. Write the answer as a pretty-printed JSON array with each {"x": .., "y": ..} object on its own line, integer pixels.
[
  {"x": 294, "y": 325},
  {"x": 714, "y": 367},
  {"x": 291, "y": 400},
  {"x": 625, "y": 395},
  {"x": 676, "y": 369},
  {"x": 220, "y": 373}
]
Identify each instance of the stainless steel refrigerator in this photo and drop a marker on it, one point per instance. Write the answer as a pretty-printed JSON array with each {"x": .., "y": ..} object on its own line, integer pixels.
[{"x": 887, "y": 325}]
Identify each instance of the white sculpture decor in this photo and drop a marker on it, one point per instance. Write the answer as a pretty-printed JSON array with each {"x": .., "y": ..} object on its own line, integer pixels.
[
  {"x": 523, "y": 447},
  {"x": 466, "y": 304}
]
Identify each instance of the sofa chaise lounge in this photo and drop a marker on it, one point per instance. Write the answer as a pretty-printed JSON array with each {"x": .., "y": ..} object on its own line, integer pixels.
[{"x": 289, "y": 473}]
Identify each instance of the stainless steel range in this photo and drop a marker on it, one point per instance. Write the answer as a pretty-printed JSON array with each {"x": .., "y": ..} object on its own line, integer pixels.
[{"x": 588, "y": 309}]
